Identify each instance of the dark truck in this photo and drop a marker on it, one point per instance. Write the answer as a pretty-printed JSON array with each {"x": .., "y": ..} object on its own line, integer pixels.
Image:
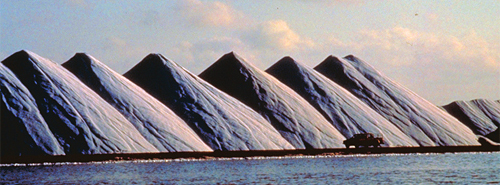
[{"x": 366, "y": 140}]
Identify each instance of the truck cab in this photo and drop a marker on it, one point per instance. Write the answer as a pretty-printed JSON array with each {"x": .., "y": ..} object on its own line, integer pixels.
[{"x": 365, "y": 140}]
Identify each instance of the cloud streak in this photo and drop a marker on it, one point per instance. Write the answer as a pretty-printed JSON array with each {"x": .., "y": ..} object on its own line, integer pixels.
[
  {"x": 429, "y": 62},
  {"x": 425, "y": 62},
  {"x": 275, "y": 34},
  {"x": 203, "y": 53},
  {"x": 429, "y": 48},
  {"x": 202, "y": 14}
]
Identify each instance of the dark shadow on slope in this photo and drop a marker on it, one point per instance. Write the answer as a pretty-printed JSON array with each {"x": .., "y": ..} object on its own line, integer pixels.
[
  {"x": 14, "y": 138},
  {"x": 70, "y": 137},
  {"x": 333, "y": 69},
  {"x": 296, "y": 119},
  {"x": 455, "y": 110},
  {"x": 80, "y": 63},
  {"x": 230, "y": 76},
  {"x": 237, "y": 81},
  {"x": 161, "y": 81},
  {"x": 290, "y": 73},
  {"x": 234, "y": 82},
  {"x": 395, "y": 103},
  {"x": 488, "y": 108}
]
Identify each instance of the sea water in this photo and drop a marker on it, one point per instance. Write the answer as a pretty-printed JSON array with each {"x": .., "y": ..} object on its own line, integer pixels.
[{"x": 460, "y": 168}]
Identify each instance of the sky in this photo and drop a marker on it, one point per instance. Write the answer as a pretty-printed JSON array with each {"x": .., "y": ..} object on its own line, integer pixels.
[{"x": 442, "y": 50}]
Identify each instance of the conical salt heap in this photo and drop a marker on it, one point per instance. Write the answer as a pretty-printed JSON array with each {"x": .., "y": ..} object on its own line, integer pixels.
[
  {"x": 157, "y": 123},
  {"x": 415, "y": 116},
  {"x": 290, "y": 114},
  {"x": 342, "y": 109},
  {"x": 221, "y": 121},
  {"x": 80, "y": 120}
]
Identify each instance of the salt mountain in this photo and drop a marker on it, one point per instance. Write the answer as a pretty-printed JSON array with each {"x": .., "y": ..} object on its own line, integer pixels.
[
  {"x": 23, "y": 129},
  {"x": 482, "y": 116},
  {"x": 288, "y": 112},
  {"x": 80, "y": 120},
  {"x": 221, "y": 121},
  {"x": 157, "y": 123},
  {"x": 424, "y": 122},
  {"x": 342, "y": 109},
  {"x": 46, "y": 110}
]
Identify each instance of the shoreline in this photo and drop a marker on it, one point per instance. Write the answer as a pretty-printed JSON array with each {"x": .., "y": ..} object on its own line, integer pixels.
[{"x": 241, "y": 154}]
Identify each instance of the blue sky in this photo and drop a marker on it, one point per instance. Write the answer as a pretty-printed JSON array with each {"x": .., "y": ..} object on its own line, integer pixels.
[{"x": 442, "y": 50}]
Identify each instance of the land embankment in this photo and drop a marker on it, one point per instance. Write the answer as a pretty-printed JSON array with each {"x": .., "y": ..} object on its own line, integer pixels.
[{"x": 244, "y": 154}]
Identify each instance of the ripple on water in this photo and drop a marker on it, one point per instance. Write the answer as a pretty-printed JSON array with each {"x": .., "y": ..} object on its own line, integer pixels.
[{"x": 461, "y": 168}]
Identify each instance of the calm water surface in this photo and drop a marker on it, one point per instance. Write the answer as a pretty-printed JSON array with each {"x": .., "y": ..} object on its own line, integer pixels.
[{"x": 463, "y": 168}]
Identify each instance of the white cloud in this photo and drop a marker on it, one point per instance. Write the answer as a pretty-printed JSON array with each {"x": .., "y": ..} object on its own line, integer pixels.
[
  {"x": 434, "y": 65},
  {"x": 441, "y": 68},
  {"x": 202, "y": 13},
  {"x": 261, "y": 44},
  {"x": 200, "y": 55},
  {"x": 276, "y": 34},
  {"x": 406, "y": 47},
  {"x": 119, "y": 53}
]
